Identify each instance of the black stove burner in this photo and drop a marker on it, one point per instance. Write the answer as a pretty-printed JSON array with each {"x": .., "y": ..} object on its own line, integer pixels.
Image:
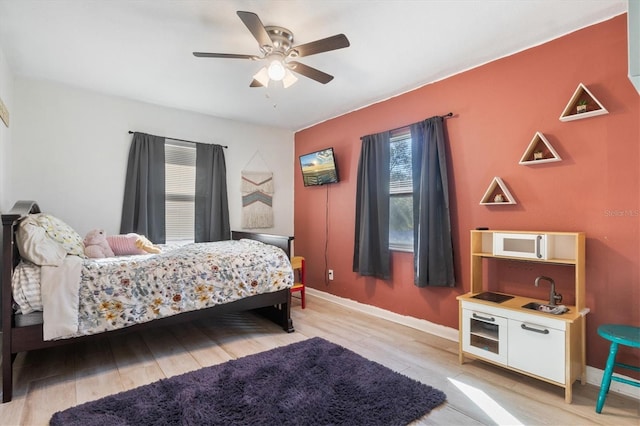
[{"x": 492, "y": 297}]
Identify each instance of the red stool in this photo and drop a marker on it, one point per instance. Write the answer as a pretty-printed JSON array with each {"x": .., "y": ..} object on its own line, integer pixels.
[{"x": 297, "y": 263}]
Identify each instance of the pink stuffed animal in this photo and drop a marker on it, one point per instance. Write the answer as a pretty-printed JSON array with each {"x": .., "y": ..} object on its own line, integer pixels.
[
  {"x": 132, "y": 243},
  {"x": 96, "y": 245}
]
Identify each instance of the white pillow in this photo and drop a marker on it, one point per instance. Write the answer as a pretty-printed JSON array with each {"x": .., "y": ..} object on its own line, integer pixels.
[
  {"x": 35, "y": 246},
  {"x": 61, "y": 233}
]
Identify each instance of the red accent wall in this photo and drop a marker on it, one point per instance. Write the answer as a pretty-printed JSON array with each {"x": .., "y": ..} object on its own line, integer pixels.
[{"x": 498, "y": 108}]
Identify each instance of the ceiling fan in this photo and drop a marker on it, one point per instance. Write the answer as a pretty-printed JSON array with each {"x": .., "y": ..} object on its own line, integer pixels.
[{"x": 276, "y": 46}]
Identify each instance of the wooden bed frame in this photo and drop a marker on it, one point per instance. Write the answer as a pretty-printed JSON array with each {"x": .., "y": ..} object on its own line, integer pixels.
[{"x": 275, "y": 306}]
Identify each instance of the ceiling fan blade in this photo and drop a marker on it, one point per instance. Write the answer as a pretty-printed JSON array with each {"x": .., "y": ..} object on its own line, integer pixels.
[
  {"x": 310, "y": 72},
  {"x": 255, "y": 83},
  {"x": 254, "y": 24},
  {"x": 223, "y": 55},
  {"x": 339, "y": 41}
]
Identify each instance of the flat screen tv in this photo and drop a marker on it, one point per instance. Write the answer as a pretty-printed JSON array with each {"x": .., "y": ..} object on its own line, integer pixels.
[{"x": 319, "y": 168}]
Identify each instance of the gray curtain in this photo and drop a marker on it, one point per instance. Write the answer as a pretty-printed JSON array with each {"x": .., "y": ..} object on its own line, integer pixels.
[
  {"x": 211, "y": 204},
  {"x": 432, "y": 246},
  {"x": 371, "y": 248},
  {"x": 143, "y": 209}
]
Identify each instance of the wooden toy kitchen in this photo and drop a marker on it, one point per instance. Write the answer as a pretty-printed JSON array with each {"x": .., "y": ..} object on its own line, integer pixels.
[{"x": 540, "y": 338}]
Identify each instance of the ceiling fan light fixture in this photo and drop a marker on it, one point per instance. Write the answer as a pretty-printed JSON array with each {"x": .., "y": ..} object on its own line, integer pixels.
[
  {"x": 262, "y": 77},
  {"x": 277, "y": 48},
  {"x": 289, "y": 79},
  {"x": 276, "y": 70}
]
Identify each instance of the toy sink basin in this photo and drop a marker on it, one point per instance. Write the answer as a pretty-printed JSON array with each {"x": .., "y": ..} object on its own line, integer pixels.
[{"x": 547, "y": 309}]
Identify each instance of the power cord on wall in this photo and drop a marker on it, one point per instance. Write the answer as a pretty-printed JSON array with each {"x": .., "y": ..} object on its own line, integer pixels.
[{"x": 326, "y": 238}]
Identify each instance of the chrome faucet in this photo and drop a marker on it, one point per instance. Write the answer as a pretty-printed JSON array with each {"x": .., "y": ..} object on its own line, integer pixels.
[{"x": 553, "y": 296}]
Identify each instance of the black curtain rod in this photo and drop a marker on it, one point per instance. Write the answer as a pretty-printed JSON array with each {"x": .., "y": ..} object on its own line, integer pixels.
[
  {"x": 449, "y": 115},
  {"x": 441, "y": 116},
  {"x": 181, "y": 140}
]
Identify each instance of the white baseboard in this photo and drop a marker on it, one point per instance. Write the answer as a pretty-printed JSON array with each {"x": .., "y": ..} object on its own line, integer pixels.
[
  {"x": 419, "y": 324},
  {"x": 594, "y": 375}
]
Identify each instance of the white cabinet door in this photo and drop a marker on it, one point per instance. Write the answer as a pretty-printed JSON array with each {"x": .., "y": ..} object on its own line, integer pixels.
[
  {"x": 485, "y": 335},
  {"x": 537, "y": 349}
]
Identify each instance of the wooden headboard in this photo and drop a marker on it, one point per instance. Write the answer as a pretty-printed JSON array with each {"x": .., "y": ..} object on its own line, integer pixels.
[
  {"x": 281, "y": 241},
  {"x": 10, "y": 255}
]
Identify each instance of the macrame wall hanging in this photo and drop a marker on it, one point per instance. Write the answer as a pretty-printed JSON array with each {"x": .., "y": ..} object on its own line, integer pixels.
[{"x": 257, "y": 196}]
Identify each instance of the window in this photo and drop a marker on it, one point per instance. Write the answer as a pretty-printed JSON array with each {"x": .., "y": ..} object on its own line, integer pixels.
[
  {"x": 401, "y": 193},
  {"x": 180, "y": 187}
]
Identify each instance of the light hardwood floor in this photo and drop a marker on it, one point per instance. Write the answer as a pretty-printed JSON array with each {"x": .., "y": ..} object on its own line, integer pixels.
[{"x": 477, "y": 393}]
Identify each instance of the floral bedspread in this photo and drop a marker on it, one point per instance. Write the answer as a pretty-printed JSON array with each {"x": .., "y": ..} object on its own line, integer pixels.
[{"x": 119, "y": 292}]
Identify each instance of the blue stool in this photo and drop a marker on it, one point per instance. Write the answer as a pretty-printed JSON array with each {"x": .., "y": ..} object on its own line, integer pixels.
[{"x": 618, "y": 335}]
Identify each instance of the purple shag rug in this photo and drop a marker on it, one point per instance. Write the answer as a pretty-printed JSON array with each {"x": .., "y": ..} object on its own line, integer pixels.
[{"x": 313, "y": 382}]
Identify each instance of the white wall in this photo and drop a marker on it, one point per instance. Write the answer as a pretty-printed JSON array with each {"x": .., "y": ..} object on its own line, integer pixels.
[
  {"x": 6, "y": 94},
  {"x": 71, "y": 148}
]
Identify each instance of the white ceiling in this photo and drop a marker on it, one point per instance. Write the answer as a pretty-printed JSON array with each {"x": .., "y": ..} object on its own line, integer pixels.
[{"x": 142, "y": 49}]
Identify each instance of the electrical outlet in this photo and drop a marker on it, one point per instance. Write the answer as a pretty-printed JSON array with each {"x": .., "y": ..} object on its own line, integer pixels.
[{"x": 330, "y": 274}]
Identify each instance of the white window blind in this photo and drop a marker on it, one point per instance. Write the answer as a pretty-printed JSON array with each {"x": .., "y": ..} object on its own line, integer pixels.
[
  {"x": 180, "y": 188},
  {"x": 401, "y": 193}
]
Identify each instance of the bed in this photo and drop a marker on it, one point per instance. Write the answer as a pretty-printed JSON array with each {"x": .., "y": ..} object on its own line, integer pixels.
[{"x": 204, "y": 297}]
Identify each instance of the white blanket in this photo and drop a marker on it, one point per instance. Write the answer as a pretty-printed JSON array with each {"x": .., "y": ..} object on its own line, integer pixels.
[{"x": 59, "y": 285}]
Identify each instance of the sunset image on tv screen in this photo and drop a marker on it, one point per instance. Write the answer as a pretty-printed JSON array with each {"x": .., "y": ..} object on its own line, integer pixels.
[{"x": 319, "y": 168}]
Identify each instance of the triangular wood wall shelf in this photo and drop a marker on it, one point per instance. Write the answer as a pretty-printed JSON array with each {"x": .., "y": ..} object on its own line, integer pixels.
[
  {"x": 582, "y": 95},
  {"x": 539, "y": 151},
  {"x": 497, "y": 194}
]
